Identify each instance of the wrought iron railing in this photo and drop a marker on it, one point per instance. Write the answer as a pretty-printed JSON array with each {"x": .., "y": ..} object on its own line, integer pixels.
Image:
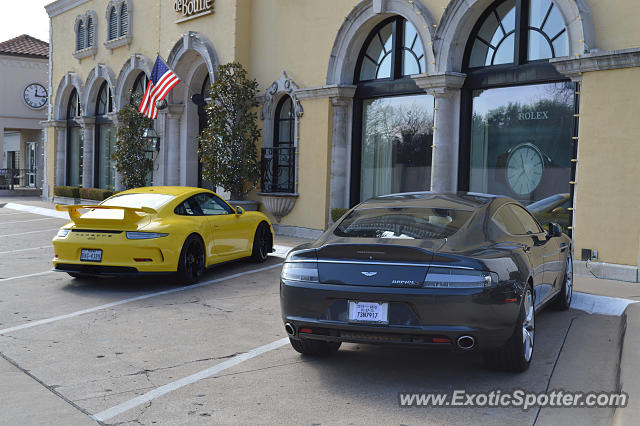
[
  {"x": 278, "y": 169},
  {"x": 18, "y": 178}
]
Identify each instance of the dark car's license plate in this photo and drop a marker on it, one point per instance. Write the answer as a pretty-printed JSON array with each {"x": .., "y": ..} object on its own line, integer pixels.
[
  {"x": 374, "y": 313},
  {"x": 91, "y": 255}
]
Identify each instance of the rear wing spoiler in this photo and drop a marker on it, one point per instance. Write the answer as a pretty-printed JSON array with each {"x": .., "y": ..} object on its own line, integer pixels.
[{"x": 131, "y": 214}]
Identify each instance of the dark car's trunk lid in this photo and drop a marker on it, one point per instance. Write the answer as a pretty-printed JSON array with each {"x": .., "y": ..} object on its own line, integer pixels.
[{"x": 380, "y": 265}]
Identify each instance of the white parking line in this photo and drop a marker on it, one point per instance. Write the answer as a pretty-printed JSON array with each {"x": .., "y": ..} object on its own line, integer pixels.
[
  {"x": 9, "y": 214},
  {"x": 170, "y": 387},
  {"x": 26, "y": 249},
  {"x": 23, "y": 221},
  {"x": 25, "y": 276},
  {"x": 37, "y": 210},
  {"x": 132, "y": 299},
  {"x": 31, "y": 232}
]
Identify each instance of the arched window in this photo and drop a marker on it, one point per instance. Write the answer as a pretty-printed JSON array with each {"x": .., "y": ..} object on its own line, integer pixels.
[
  {"x": 511, "y": 32},
  {"x": 392, "y": 50},
  {"x": 75, "y": 145},
  {"x": 124, "y": 20},
  {"x": 105, "y": 139},
  {"x": 516, "y": 139},
  {"x": 393, "y": 123},
  {"x": 283, "y": 168},
  {"x": 80, "y": 36},
  {"x": 139, "y": 87},
  {"x": 90, "y": 32},
  {"x": 113, "y": 24}
]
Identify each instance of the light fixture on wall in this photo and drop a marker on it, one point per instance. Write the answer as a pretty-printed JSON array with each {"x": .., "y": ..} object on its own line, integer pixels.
[{"x": 152, "y": 140}]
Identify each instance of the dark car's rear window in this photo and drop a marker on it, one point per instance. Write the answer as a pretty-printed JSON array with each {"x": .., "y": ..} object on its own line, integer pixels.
[{"x": 411, "y": 223}]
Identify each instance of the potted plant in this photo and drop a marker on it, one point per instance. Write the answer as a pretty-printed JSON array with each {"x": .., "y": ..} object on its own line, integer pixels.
[{"x": 228, "y": 149}]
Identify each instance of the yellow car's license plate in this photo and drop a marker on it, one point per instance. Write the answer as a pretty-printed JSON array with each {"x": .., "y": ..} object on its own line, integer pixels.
[{"x": 91, "y": 255}]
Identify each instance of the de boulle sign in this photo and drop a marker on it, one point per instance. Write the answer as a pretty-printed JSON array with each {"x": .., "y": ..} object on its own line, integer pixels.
[{"x": 190, "y": 9}]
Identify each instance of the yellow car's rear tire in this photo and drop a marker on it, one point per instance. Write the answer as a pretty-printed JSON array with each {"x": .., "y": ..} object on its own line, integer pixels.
[
  {"x": 191, "y": 263},
  {"x": 262, "y": 243}
]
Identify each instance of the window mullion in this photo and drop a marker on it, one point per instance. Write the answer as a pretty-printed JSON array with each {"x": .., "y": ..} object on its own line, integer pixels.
[
  {"x": 522, "y": 31},
  {"x": 396, "y": 55}
]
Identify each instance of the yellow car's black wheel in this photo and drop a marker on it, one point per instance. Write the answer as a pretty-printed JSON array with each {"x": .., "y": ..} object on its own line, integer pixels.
[
  {"x": 191, "y": 263},
  {"x": 262, "y": 243}
]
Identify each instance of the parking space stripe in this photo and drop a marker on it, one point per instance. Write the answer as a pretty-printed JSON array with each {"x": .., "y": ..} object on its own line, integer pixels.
[
  {"x": 31, "y": 232},
  {"x": 25, "y": 276},
  {"x": 132, "y": 299},
  {"x": 9, "y": 214},
  {"x": 24, "y": 221},
  {"x": 27, "y": 249},
  {"x": 170, "y": 387}
]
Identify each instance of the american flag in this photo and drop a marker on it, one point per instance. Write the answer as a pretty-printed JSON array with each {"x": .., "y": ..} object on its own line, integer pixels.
[{"x": 161, "y": 82}]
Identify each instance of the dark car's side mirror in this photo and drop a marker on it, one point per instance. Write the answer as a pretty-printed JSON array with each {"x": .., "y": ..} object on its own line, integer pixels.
[{"x": 554, "y": 230}]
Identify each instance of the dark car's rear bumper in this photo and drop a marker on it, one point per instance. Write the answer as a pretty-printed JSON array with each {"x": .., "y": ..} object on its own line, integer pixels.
[{"x": 416, "y": 315}]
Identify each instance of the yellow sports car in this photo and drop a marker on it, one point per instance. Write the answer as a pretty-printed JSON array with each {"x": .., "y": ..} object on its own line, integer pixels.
[{"x": 159, "y": 230}]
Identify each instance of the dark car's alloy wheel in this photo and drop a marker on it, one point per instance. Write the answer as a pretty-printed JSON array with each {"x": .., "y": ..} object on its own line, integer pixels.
[
  {"x": 261, "y": 243},
  {"x": 516, "y": 354},
  {"x": 564, "y": 297},
  {"x": 191, "y": 263}
]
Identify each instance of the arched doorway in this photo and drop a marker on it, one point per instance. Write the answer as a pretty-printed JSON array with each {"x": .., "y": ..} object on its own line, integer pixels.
[
  {"x": 105, "y": 138},
  {"x": 75, "y": 141}
]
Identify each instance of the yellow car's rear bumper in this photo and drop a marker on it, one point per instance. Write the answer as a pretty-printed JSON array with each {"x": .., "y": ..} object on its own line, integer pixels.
[{"x": 119, "y": 254}]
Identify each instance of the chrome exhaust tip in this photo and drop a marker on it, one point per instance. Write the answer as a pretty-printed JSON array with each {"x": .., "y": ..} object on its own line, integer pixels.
[
  {"x": 290, "y": 329},
  {"x": 466, "y": 342}
]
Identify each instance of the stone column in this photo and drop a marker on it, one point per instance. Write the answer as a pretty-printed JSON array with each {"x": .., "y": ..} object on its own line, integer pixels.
[
  {"x": 446, "y": 136},
  {"x": 340, "y": 153},
  {"x": 172, "y": 144},
  {"x": 3, "y": 162},
  {"x": 61, "y": 155},
  {"x": 88, "y": 141}
]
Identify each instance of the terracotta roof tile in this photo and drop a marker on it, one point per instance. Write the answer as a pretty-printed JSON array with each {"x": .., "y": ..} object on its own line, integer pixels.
[{"x": 25, "y": 45}]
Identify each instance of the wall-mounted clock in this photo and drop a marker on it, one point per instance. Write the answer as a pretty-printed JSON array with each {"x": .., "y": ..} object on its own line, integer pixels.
[
  {"x": 35, "y": 95},
  {"x": 525, "y": 165}
]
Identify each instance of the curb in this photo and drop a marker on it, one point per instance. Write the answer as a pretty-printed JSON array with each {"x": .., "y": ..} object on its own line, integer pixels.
[{"x": 629, "y": 367}]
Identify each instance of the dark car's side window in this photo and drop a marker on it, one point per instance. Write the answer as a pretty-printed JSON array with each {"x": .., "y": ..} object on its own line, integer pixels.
[
  {"x": 508, "y": 221},
  {"x": 211, "y": 205},
  {"x": 529, "y": 223}
]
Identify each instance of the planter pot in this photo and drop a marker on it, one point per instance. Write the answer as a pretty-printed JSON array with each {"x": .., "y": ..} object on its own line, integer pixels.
[
  {"x": 278, "y": 204},
  {"x": 247, "y": 205}
]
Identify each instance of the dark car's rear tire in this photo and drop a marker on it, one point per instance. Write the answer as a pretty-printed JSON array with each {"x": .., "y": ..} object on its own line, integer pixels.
[
  {"x": 562, "y": 301},
  {"x": 315, "y": 347},
  {"x": 515, "y": 356},
  {"x": 191, "y": 263},
  {"x": 262, "y": 243}
]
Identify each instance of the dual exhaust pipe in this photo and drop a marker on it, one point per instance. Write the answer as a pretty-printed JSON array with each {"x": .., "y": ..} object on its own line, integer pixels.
[{"x": 290, "y": 329}]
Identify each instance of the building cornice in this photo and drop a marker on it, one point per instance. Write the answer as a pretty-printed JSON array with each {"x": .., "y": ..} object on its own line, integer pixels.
[
  {"x": 61, "y": 6},
  {"x": 331, "y": 91},
  {"x": 598, "y": 61}
]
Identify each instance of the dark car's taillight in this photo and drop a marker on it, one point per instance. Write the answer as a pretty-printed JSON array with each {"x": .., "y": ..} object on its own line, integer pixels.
[
  {"x": 459, "y": 278},
  {"x": 300, "y": 271}
]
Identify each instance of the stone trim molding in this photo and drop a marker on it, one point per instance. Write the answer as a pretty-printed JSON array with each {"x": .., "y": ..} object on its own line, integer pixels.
[
  {"x": 192, "y": 40},
  {"x": 121, "y": 39},
  {"x": 361, "y": 21},
  {"x": 331, "y": 91},
  {"x": 128, "y": 73},
  {"x": 92, "y": 86},
  {"x": 597, "y": 61},
  {"x": 68, "y": 82},
  {"x": 440, "y": 84},
  {"x": 61, "y": 6}
]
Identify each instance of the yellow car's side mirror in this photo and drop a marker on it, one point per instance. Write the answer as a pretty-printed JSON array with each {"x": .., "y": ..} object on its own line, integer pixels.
[{"x": 239, "y": 210}]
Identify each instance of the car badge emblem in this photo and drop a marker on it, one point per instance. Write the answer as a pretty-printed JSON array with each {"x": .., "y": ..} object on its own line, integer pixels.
[{"x": 368, "y": 274}]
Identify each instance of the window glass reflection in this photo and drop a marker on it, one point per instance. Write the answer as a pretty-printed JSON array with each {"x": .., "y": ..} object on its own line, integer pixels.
[
  {"x": 521, "y": 143},
  {"x": 396, "y": 145}
]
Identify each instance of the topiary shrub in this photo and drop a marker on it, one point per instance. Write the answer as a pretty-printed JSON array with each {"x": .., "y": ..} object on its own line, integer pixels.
[
  {"x": 95, "y": 194},
  {"x": 66, "y": 191}
]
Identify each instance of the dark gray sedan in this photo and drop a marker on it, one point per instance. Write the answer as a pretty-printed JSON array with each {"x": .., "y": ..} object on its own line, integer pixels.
[{"x": 458, "y": 271}]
